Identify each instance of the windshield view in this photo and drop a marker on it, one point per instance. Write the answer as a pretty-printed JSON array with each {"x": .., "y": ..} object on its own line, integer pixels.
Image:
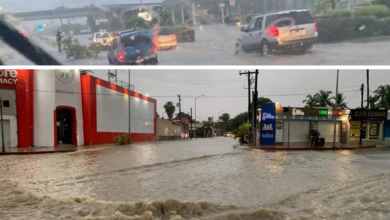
[
  {"x": 200, "y": 144},
  {"x": 198, "y": 32}
]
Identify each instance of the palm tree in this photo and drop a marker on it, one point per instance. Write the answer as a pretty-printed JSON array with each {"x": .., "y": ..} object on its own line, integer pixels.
[
  {"x": 310, "y": 101},
  {"x": 323, "y": 98},
  {"x": 341, "y": 104},
  {"x": 373, "y": 102},
  {"x": 169, "y": 109},
  {"x": 383, "y": 96}
]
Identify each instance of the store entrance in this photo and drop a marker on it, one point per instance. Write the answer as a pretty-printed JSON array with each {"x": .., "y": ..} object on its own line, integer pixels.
[{"x": 64, "y": 126}]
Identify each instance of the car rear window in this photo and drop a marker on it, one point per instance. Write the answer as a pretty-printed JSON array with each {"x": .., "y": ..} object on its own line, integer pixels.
[
  {"x": 102, "y": 35},
  {"x": 300, "y": 17},
  {"x": 132, "y": 40},
  {"x": 166, "y": 31}
]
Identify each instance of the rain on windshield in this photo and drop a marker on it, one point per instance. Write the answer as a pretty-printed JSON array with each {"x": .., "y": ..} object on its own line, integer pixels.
[{"x": 200, "y": 32}]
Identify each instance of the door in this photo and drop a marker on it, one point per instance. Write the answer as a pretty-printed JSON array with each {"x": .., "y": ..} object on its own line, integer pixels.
[
  {"x": 299, "y": 131},
  {"x": 326, "y": 128},
  {"x": 255, "y": 36},
  {"x": 245, "y": 36},
  {"x": 7, "y": 134},
  {"x": 64, "y": 126}
]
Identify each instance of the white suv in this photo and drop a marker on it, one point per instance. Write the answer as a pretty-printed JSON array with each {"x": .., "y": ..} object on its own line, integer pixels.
[{"x": 286, "y": 29}]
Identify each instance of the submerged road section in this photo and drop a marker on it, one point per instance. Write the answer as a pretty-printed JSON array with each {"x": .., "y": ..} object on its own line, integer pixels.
[{"x": 196, "y": 179}]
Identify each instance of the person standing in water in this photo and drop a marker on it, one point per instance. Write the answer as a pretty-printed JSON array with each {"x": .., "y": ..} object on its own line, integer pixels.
[{"x": 59, "y": 40}]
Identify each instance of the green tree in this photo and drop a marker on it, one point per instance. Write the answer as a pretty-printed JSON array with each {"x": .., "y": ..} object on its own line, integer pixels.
[
  {"x": 310, "y": 101},
  {"x": 169, "y": 109},
  {"x": 224, "y": 117},
  {"x": 262, "y": 100},
  {"x": 235, "y": 122},
  {"x": 341, "y": 104},
  {"x": 323, "y": 98},
  {"x": 373, "y": 102},
  {"x": 382, "y": 94}
]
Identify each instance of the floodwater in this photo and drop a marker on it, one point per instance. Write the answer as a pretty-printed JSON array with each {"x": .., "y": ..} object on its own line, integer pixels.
[
  {"x": 196, "y": 179},
  {"x": 215, "y": 45}
]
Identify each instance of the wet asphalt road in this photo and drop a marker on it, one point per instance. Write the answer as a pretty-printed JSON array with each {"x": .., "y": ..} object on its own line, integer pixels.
[
  {"x": 190, "y": 170},
  {"x": 215, "y": 46}
]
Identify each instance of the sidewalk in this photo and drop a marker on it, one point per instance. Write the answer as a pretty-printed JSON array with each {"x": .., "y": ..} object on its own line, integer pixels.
[
  {"x": 306, "y": 147},
  {"x": 39, "y": 150}
]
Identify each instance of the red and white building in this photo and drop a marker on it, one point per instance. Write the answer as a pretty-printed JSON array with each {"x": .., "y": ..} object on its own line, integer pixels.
[{"x": 53, "y": 107}]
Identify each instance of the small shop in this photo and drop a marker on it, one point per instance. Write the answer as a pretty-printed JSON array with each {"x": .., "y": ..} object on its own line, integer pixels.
[
  {"x": 387, "y": 127},
  {"x": 293, "y": 125},
  {"x": 373, "y": 123}
]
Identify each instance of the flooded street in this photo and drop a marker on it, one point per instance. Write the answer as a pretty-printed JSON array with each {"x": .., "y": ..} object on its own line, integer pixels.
[
  {"x": 215, "y": 45},
  {"x": 234, "y": 183}
]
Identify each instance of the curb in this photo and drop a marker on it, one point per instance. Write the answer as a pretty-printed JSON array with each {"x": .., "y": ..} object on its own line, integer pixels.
[
  {"x": 314, "y": 149},
  {"x": 35, "y": 152}
]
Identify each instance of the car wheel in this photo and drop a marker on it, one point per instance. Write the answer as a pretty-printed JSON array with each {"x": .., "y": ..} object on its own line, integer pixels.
[
  {"x": 154, "y": 61},
  {"x": 238, "y": 47},
  {"x": 264, "y": 48}
]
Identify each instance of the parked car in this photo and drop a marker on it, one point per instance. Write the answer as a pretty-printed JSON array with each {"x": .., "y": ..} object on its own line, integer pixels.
[
  {"x": 166, "y": 38},
  {"x": 103, "y": 38},
  {"x": 282, "y": 30},
  {"x": 132, "y": 47}
]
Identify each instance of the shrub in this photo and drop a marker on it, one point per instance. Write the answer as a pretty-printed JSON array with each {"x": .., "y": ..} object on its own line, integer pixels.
[
  {"x": 386, "y": 26},
  {"x": 77, "y": 51},
  {"x": 340, "y": 13},
  {"x": 338, "y": 29},
  {"x": 184, "y": 34},
  {"x": 379, "y": 11},
  {"x": 123, "y": 139}
]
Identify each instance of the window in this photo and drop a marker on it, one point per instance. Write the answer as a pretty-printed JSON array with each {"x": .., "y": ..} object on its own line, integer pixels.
[
  {"x": 259, "y": 23},
  {"x": 133, "y": 40},
  {"x": 251, "y": 24},
  {"x": 288, "y": 19},
  {"x": 102, "y": 35},
  {"x": 5, "y": 103},
  {"x": 166, "y": 31}
]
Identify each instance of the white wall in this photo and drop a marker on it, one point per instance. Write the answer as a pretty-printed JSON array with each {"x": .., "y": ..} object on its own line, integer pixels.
[
  {"x": 326, "y": 128},
  {"x": 44, "y": 106},
  {"x": 50, "y": 93},
  {"x": 10, "y": 131},
  {"x": 113, "y": 112}
]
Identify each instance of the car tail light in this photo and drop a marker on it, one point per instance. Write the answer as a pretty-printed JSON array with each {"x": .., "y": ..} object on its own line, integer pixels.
[
  {"x": 273, "y": 31},
  {"x": 154, "y": 40},
  {"x": 315, "y": 27},
  {"x": 175, "y": 36},
  {"x": 121, "y": 55},
  {"x": 154, "y": 47}
]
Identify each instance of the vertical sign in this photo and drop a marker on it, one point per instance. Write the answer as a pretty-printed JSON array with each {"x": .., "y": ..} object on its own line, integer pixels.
[
  {"x": 279, "y": 132},
  {"x": 268, "y": 124}
]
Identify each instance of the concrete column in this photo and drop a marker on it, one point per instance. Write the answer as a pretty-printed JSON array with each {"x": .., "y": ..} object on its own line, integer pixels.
[
  {"x": 193, "y": 13},
  {"x": 182, "y": 14},
  {"x": 173, "y": 15}
]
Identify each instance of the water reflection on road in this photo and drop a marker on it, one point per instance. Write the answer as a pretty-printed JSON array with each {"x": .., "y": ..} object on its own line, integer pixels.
[{"x": 202, "y": 169}]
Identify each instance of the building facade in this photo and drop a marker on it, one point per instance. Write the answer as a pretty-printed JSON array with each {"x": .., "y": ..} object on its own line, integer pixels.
[{"x": 54, "y": 107}]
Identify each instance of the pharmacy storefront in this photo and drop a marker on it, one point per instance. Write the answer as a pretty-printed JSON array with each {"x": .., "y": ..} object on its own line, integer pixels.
[
  {"x": 48, "y": 108},
  {"x": 373, "y": 124}
]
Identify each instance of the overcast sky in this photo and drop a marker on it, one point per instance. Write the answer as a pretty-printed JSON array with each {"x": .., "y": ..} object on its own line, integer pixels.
[
  {"x": 37, "y": 5},
  {"x": 224, "y": 89}
]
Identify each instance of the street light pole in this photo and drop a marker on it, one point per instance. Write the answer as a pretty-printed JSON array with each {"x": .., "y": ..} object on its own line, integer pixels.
[
  {"x": 2, "y": 126},
  {"x": 335, "y": 110},
  {"x": 195, "y": 113}
]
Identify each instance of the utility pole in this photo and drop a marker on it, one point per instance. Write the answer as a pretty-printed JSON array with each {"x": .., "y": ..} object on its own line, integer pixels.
[
  {"x": 288, "y": 132},
  {"x": 179, "y": 106},
  {"x": 361, "y": 115},
  {"x": 191, "y": 122},
  {"x": 249, "y": 94},
  {"x": 129, "y": 106},
  {"x": 255, "y": 107},
  {"x": 335, "y": 109},
  {"x": 248, "y": 73},
  {"x": 2, "y": 126},
  {"x": 368, "y": 89}
]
